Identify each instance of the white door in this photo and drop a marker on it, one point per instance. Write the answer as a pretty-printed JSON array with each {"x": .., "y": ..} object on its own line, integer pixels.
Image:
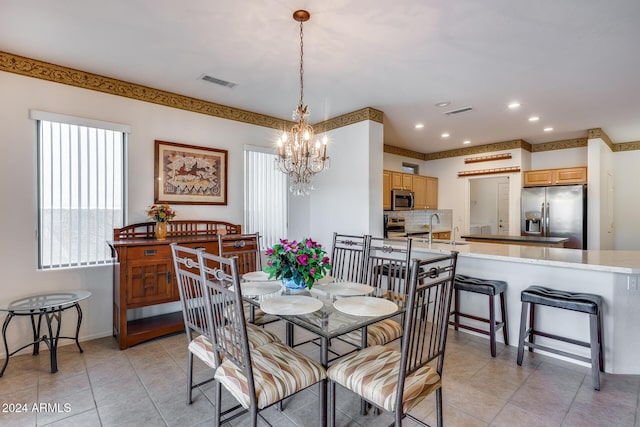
[{"x": 503, "y": 208}]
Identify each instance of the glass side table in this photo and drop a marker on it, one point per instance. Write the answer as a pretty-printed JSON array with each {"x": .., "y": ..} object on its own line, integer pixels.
[{"x": 47, "y": 305}]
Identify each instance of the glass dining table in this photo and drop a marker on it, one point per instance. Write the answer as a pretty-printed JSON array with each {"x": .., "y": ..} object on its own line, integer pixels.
[
  {"x": 50, "y": 306},
  {"x": 329, "y": 317}
]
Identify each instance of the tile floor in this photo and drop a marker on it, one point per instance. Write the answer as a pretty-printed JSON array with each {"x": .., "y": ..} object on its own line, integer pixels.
[{"x": 146, "y": 386}]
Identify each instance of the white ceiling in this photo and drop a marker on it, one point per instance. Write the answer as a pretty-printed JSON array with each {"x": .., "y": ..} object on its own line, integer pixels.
[{"x": 574, "y": 63}]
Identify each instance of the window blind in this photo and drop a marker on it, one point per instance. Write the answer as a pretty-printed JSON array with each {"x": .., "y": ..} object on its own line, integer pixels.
[
  {"x": 81, "y": 192},
  {"x": 265, "y": 192}
]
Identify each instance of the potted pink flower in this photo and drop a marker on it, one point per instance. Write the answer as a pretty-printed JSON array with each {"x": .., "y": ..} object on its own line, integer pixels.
[{"x": 298, "y": 264}]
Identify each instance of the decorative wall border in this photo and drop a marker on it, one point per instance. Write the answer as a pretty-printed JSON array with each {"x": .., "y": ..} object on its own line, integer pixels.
[
  {"x": 70, "y": 76},
  {"x": 559, "y": 145},
  {"x": 599, "y": 133},
  {"x": 626, "y": 146},
  {"x": 361, "y": 115},
  {"x": 497, "y": 146}
]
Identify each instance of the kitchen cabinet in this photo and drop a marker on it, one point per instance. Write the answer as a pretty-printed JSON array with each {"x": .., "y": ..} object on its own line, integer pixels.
[
  {"x": 401, "y": 181},
  {"x": 419, "y": 185},
  {"x": 425, "y": 188},
  {"x": 442, "y": 235},
  {"x": 544, "y": 177},
  {"x": 144, "y": 276},
  {"x": 386, "y": 190},
  {"x": 432, "y": 193}
]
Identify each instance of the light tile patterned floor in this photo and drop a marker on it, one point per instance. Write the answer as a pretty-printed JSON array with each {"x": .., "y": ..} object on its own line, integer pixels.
[{"x": 146, "y": 386}]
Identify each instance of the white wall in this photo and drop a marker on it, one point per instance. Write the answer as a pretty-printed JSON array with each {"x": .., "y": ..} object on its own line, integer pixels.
[
  {"x": 554, "y": 159},
  {"x": 348, "y": 197},
  {"x": 626, "y": 200},
  {"x": 454, "y": 192},
  {"x": 600, "y": 196},
  {"x": 148, "y": 122}
]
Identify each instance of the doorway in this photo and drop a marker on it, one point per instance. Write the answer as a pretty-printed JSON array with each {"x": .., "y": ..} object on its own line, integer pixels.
[{"x": 489, "y": 205}]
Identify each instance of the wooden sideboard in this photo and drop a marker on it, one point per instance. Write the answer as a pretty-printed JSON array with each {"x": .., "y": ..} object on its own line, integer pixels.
[{"x": 143, "y": 274}]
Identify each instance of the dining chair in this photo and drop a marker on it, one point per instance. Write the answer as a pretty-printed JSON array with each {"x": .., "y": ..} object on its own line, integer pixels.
[
  {"x": 197, "y": 314},
  {"x": 246, "y": 247},
  {"x": 397, "y": 380},
  {"x": 257, "y": 377},
  {"x": 386, "y": 270},
  {"x": 348, "y": 257}
]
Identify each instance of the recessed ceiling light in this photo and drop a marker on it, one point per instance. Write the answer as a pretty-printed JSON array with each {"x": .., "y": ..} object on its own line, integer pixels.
[
  {"x": 443, "y": 104},
  {"x": 466, "y": 142},
  {"x": 445, "y": 135},
  {"x": 534, "y": 118},
  {"x": 419, "y": 126},
  {"x": 514, "y": 105},
  {"x": 548, "y": 129}
]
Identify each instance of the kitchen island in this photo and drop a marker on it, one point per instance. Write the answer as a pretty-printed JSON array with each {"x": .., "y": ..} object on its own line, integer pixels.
[
  {"x": 612, "y": 274},
  {"x": 554, "y": 242}
]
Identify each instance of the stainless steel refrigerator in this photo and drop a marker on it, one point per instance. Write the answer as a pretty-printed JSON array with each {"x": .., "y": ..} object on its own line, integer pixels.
[{"x": 558, "y": 211}]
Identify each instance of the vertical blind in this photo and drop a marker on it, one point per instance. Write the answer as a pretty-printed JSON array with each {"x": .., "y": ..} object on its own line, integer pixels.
[
  {"x": 265, "y": 196},
  {"x": 81, "y": 193}
]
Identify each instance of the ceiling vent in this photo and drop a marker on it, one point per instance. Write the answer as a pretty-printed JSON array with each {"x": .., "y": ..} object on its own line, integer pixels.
[
  {"x": 458, "y": 111},
  {"x": 220, "y": 82}
]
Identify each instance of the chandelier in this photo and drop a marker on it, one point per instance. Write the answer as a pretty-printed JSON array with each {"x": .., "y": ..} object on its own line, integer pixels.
[{"x": 300, "y": 154}]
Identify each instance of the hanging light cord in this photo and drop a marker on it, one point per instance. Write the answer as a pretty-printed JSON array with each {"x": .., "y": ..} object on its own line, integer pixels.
[{"x": 301, "y": 66}]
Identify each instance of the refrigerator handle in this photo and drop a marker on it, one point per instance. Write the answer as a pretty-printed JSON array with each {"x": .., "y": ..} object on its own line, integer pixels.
[
  {"x": 543, "y": 221},
  {"x": 547, "y": 226}
]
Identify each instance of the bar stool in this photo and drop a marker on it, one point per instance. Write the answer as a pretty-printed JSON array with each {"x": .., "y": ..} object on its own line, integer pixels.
[
  {"x": 485, "y": 287},
  {"x": 584, "y": 303}
]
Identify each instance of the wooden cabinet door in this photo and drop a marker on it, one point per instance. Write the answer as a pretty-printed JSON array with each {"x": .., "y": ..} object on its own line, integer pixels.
[
  {"x": 432, "y": 192},
  {"x": 386, "y": 190},
  {"x": 419, "y": 185},
  {"x": 562, "y": 176},
  {"x": 407, "y": 181},
  {"x": 538, "y": 177},
  {"x": 570, "y": 175},
  {"x": 150, "y": 281},
  {"x": 396, "y": 180}
]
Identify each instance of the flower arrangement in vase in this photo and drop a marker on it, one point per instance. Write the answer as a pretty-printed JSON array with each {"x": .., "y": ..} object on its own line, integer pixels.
[
  {"x": 161, "y": 214},
  {"x": 298, "y": 264}
]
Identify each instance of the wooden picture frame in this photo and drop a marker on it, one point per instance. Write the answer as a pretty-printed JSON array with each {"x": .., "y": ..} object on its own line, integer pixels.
[{"x": 190, "y": 175}]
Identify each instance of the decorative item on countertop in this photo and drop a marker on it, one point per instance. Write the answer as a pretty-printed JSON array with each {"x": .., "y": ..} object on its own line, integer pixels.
[
  {"x": 161, "y": 214},
  {"x": 298, "y": 264}
]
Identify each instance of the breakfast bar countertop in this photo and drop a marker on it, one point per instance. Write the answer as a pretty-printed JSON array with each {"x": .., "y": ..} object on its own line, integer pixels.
[{"x": 625, "y": 262}]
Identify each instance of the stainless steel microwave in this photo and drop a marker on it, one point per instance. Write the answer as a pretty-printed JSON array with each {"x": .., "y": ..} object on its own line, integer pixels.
[{"x": 401, "y": 200}]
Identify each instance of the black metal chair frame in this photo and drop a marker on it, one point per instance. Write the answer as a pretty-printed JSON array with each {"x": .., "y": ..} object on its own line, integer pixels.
[{"x": 429, "y": 294}]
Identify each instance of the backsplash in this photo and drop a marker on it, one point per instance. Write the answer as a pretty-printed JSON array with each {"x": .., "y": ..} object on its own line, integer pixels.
[{"x": 416, "y": 219}]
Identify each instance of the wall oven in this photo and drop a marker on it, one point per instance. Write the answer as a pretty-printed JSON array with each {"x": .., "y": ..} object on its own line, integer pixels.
[{"x": 401, "y": 200}]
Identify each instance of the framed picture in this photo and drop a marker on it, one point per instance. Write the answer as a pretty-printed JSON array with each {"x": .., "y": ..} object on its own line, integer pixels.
[{"x": 186, "y": 174}]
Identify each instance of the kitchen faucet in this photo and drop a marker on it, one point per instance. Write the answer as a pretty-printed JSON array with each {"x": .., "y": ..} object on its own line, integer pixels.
[
  {"x": 431, "y": 227},
  {"x": 453, "y": 239}
]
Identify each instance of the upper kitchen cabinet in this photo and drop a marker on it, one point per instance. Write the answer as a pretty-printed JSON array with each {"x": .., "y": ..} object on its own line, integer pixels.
[
  {"x": 425, "y": 188},
  {"x": 386, "y": 190},
  {"x": 401, "y": 181},
  {"x": 562, "y": 176},
  {"x": 432, "y": 192}
]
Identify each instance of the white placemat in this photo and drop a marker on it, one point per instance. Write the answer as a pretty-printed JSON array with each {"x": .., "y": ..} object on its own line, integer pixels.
[
  {"x": 290, "y": 305},
  {"x": 257, "y": 276},
  {"x": 325, "y": 279},
  {"x": 365, "y": 306},
  {"x": 254, "y": 289},
  {"x": 345, "y": 288}
]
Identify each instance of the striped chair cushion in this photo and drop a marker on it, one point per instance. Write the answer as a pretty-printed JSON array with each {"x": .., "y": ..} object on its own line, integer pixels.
[
  {"x": 202, "y": 348},
  {"x": 373, "y": 374},
  {"x": 278, "y": 370},
  {"x": 379, "y": 333}
]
